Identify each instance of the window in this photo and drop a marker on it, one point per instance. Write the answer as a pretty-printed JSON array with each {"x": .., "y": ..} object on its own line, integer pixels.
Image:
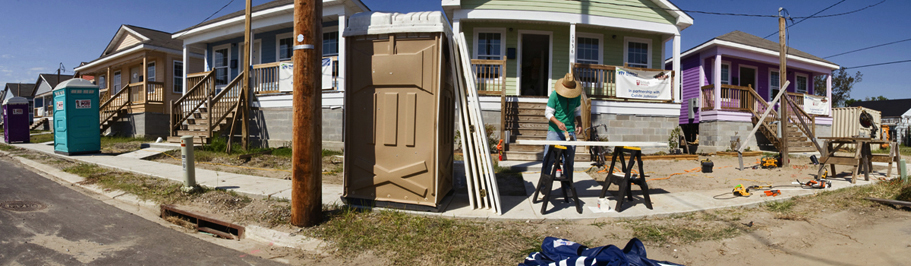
[
  {"x": 283, "y": 47},
  {"x": 101, "y": 83},
  {"x": 220, "y": 58},
  {"x": 774, "y": 83},
  {"x": 637, "y": 52},
  {"x": 489, "y": 45},
  {"x": 330, "y": 43},
  {"x": 178, "y": 77},
  {"x": 801, "y": 81},
  {"x": 726, "y": 74},
  {"x": 588, "y": 50},
  {"x": 39, "y": 102},
  {"x": 116, "y": 83},
  {"x": 150, "y": 69}
]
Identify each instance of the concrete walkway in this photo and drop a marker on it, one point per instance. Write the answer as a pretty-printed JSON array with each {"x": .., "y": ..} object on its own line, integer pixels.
[{"x": 515, "y": 207}]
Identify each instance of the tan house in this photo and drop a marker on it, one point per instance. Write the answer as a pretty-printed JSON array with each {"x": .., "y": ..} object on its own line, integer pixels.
[{"x": 139, "y": 73}]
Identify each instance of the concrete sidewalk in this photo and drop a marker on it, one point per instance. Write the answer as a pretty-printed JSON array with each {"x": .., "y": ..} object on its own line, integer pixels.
[{"x": 514, "y": 207}]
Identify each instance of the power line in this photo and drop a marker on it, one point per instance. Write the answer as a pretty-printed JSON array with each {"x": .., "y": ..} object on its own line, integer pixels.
[
  {"x": 737, "y": 14},
  {"x": 879, "y": 64},
  {"x": 206, "y": 19},
  {"x": 806, "y": 18},
  {"x": 871, "y": 47}
]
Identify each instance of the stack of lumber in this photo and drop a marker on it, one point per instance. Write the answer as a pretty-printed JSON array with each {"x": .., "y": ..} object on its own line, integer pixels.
[{"x": 479, "y": 171}]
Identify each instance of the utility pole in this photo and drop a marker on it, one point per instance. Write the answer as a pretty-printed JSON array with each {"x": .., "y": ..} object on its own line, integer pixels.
[
  {"x": 306, "y": 154},
  {"x": 782, "y": 77},
  {"x": 245, "y": 90}
]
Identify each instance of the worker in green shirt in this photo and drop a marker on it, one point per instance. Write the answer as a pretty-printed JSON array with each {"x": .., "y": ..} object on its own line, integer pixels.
[{"x": 565, "y": 116}]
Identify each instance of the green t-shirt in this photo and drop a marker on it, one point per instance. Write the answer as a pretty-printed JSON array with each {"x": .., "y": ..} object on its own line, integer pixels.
[{"x": 564, "y": 111}]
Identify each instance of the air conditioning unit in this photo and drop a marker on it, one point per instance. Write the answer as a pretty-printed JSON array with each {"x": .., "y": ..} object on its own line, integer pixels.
[{"x": 693, "y": 107}]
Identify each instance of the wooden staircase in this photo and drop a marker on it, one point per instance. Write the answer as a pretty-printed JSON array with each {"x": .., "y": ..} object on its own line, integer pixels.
[
  {"x": 39, "y": 123},
  {"x": 800, "y": 130},
  {"x": 525, "y": 121},
  {"x": 114, "y": 107},
  {"x": 204, "y": 111}
]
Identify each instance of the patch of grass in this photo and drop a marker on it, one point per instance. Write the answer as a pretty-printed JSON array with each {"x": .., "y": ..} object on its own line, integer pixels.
[
  {"x": 282, "y": 152},
  {"x": 682, "y": 233},
  {"x": 780, "y": 206},
  {"x": 904, "y": 194},
  {"x": 41, "y": 138},
  {"x": 5, "y": 147},
  {"x": 328, "y": 152},
  {"x": 416, "y": 239},
  {"x": 903, "y": 150}
]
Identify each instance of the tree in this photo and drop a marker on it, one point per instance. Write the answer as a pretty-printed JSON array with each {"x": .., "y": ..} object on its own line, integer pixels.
[
  {"x": 842, "y": 83},
  {"x": 849, "y": 102}
]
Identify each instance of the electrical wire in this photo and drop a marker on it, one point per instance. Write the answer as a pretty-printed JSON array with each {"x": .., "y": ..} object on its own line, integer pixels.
[
  {"x": 204, "y": 20},
  {"x": 870, "y": 47},
  {"x": 880, "y": 64},
  {"x": 806, "y": 18},
  {"x": 737, "y": 14}
]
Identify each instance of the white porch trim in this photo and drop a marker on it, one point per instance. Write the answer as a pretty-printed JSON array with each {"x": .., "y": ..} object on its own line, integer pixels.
[{"x": 565, "y": 18}]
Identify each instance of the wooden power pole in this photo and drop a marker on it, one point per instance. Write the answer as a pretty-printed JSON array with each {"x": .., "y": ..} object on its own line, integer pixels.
[
  {"x": 245, "y": 90},
  {"x": 782, "y": 77},
  {"x": 306, "y": 140}
]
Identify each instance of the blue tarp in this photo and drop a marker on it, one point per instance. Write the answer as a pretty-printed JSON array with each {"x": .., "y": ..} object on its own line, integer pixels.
[{"x": 556, "y": 251}]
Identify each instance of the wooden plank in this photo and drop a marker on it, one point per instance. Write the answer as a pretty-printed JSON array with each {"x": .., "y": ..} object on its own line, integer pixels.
[
  {"x": 593, "y": 143},
  {"x": 840, "y": 160}
]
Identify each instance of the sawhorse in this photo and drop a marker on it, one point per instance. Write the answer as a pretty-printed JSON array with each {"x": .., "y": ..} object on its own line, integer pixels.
[
  {"x": 546, "y": 181},
  {"x": 627, "y": 181}
]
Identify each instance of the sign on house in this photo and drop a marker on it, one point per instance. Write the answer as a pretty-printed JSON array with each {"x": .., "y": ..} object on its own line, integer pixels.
[
  {"x": 815, "y": 106},
  {"x": 640, "y": 84},
  {"x": 286, "y": 75}
]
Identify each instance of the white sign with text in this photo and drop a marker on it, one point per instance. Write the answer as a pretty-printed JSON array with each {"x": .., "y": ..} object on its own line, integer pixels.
[{"x": 640, "y": 84}]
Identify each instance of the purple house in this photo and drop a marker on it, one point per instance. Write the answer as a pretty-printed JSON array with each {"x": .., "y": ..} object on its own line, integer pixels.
[{"x": 728, "y": 82}]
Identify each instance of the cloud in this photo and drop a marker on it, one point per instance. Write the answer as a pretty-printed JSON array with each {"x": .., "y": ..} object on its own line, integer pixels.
[
  {"x": 6, "y": 56},
  {"x": 36, "y": 69}
]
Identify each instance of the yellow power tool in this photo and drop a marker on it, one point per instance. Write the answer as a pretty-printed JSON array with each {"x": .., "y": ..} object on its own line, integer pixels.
[{"x": 741, "y": 191}]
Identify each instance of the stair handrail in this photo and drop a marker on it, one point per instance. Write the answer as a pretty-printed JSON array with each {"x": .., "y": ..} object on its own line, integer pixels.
[
  {"x": 214, "y": 101},
  {"x": 106, "y": 106},
  {"x": 802, "y": 116},
  {"x": 762, "y": 118},
  {"x": 203, "y": 83},
  {"x": 122, "y": 91}
]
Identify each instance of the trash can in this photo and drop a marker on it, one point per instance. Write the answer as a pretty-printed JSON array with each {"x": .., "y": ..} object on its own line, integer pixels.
[
  {"x": 399, "y": 117},
  {"x": 76, "y": 119},
  {"x": 15, "y": 120}
]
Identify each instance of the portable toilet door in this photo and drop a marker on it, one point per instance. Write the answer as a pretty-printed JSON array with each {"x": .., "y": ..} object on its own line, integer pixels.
[
  {"x": 76, "y": 118},
  {"x": 16, "y": 120}
]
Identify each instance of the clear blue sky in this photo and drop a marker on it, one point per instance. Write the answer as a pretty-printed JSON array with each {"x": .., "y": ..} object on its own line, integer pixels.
[{"x": 36, "y": 36}]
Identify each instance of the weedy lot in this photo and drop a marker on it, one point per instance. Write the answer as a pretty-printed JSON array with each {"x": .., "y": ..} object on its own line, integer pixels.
[{"x": 778, "y": 231}]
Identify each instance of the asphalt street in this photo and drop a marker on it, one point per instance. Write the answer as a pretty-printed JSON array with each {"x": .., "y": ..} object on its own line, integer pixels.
[{"x": 69, "y": 228}]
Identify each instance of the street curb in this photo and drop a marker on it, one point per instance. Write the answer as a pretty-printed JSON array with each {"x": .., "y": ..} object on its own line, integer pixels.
[{"x": 252, "y": 232}]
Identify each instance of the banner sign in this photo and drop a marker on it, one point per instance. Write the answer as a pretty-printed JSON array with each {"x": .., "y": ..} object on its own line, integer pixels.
[
  {"x": 639, "y": 84},
  {"x": 286, "y": 75},
  {"x": 815, "y": 106}
]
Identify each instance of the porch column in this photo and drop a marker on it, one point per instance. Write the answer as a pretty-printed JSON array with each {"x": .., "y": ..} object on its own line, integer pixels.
[
  {"x": 206, "y": 59},
  {"x": 109, "y": 82},
  {"x": 144, "y": 95},
  {"x": 676, "y": 67},
  {"x": 186, "y": 64},
  {"x": 829, "y": 91},
  {"x": 716, "y": 72},
  {"x": 456, "y": 29},
  {"x": 342, "y": 53},
  {"x": 572, "y": 45}
]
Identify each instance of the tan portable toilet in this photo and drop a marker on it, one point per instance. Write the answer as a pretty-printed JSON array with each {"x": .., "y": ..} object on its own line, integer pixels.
[{"x": 399, "y": 116}]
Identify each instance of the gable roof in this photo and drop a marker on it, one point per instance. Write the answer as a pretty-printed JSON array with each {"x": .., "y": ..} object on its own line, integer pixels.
[
  {"x": 257, "y": 8},
  {"x": 26, "y": 90},
  {"x": 739, "y": 37},
  {"x": 888, "y": 107},
  {"x": 148, "y": 38},
  {"x": 52, "y": 80}
]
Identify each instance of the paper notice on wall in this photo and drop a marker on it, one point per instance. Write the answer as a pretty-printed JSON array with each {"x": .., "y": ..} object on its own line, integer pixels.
[
  {"x": 327, "y": 73},
  {"x": 285, "y": 77},
  {"x": 815, "y": 105},
  {"x": 639, "y": 84}
]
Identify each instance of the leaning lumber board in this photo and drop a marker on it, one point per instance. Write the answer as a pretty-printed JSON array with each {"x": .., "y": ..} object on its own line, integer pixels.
[
  {"x": 470, "y": 174},
  {"x": 592, "y": 143}
]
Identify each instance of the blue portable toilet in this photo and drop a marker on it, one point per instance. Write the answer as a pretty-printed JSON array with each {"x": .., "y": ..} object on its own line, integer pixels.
[
  {"x": 76, "y": 119},
  {"x": 16, "y": 120}
]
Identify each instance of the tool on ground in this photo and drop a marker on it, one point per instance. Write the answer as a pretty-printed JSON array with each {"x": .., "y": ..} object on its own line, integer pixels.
[
  {"x": 769, "y": 162},
  {"x": 707, "y": 165},
  {"x": 825, "y": 174},
  {"x": 741, "y": 191},
  {"x": 814, "y": 160},
  {"x": 772, "y": 193},
  {"x": 816, "y": 183}
]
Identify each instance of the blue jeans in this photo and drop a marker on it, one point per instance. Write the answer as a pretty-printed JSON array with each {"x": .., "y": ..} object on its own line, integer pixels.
[{"x": 568, "y": 154}]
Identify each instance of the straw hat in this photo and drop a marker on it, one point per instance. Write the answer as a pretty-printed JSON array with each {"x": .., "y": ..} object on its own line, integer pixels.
[{"x": 567, "y": 88}]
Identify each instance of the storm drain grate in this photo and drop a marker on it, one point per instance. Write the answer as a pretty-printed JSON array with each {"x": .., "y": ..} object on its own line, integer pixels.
[
  {"x": 22, "y": 206},
  {"x": 204, "y": 223}
]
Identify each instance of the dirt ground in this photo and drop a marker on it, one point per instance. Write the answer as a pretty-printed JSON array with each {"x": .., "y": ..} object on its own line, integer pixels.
[{"x": 687, "y": 175}]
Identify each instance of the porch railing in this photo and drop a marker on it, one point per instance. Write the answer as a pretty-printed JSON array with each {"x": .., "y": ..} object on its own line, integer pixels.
[
  {"x": 599, "y": 81},
  {"x": 490, "y": 76},
  {"x": 201, "y": 86},
  {"x": 154, "y": 91},
  {"x": 265, "y": 77},
  {"x": 112, "y": 106},
  {"x": 733, "y": 98}
]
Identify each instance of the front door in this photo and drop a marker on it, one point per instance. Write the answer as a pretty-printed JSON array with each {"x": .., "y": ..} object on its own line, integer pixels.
[
  {"x": 748, "y": 77},
  {"x": 535, "y": 63}
]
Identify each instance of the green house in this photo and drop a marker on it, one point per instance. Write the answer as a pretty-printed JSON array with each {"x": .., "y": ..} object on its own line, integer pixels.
[{"x": 520, "y": 48}]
